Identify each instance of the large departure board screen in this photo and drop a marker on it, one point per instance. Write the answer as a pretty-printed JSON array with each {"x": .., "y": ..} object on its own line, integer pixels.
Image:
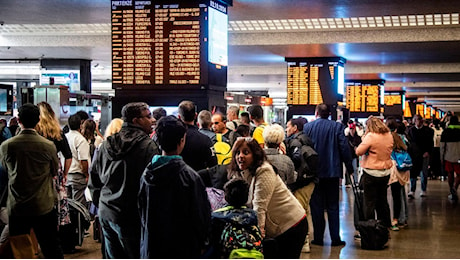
[
  {"x": 312, "y": 81},
  {"x": 362, "y": 97},
  {"x": 157, "y": 44}
]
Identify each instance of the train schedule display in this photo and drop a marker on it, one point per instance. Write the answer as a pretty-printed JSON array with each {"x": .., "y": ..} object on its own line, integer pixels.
[
  {"x": 312, "y": 81},
  {"x": 362, "y": 98},
  {"x": 159, "y": 45}
]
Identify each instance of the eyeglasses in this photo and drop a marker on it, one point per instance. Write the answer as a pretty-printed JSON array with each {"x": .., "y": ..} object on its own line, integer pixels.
[{"x": 216, "y": 123}]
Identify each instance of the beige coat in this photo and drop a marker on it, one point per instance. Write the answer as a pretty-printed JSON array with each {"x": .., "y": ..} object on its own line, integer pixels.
[{"x": 277, "y": 209}]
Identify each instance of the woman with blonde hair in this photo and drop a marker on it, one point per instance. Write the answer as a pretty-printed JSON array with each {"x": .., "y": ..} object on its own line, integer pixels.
[
  {"x": 113, "y": 127},
  {"x": 376, "y": 148},
  {"x": 49, "y": 127}
]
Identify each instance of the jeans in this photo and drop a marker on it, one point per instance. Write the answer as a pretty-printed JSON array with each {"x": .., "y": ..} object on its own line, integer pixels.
[
  {"x": 419, "y": 165},
  {"x": 45, "y": 228},
  {"x": 121, "y": 241},
  {"x": 404, "y": 213}
]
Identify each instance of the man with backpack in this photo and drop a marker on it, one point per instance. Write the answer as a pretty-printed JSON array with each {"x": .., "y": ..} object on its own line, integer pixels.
[
  {"x": 223, "y": 142},
  {"x": 305, "y": 159},
  {"x": 257, "y": 117}
]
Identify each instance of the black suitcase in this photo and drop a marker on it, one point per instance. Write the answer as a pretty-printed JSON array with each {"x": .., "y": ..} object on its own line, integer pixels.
[
  {"x": 72, "y": 234},
  {"x": 374, "y": 235}
]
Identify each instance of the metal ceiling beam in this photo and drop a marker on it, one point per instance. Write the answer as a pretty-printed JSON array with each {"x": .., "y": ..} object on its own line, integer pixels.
[
  {"x": 345, "y": 36},
  {"x": 359, "y": 69}
]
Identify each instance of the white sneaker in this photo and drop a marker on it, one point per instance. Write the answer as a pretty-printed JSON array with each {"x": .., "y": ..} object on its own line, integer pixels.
[
  {"x": 410, "y": 195},
  {"x": 422, "y": 194},
  {"x": 306, "y": 248}
]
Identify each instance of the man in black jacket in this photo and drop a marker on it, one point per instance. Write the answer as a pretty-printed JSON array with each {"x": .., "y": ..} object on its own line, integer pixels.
[
  {"x": 173, "y": 203},
  {"x": 198, "y": 150},
  {"x": 305, "y": 166},
  {"x": 114, "y": 180},
  {"x": 421, "y": 144}
]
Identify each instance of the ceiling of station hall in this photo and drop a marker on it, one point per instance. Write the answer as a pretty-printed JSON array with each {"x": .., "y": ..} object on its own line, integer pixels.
[{"x": 412, "y": 45}]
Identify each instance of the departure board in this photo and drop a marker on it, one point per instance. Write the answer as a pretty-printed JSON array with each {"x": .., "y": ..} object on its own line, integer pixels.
[
  {"x": 428, "y": 112},
  {"x": 391, "y": 100},
  {"x": 362, "y": 97},
  {"x": 156, "y": 44},
  {"x": 407, "y": 110},
  {"x": 420, "y": 109},
  {"x": 303, "y": 84}
]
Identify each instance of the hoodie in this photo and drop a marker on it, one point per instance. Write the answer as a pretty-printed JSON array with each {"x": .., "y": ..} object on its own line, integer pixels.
[
  {"x": 116, "y": 171},
  {"x": 174, "y": 210}
]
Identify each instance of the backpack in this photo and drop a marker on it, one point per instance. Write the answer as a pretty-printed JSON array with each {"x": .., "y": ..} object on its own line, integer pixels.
[
  {"x": 403, "y": 160},
  {"x": 223, "y": 150},
  {"x": 307, "y": 171},
  {"x": 241, "y": 241}
]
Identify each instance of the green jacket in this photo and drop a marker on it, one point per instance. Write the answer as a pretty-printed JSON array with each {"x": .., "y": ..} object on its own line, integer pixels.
[{"x": 31, "y": 162}]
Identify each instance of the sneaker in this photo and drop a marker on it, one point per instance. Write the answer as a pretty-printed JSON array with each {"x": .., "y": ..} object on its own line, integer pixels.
[
  {"x": 453, "y": 197},
  {"x": 423, "y": 194},
  {"x": 410, "y": 195},
  {"x": 402, "y": 225},
  {"x": 338, "y": 243},
  {"x": 394, "y": 228},
  {"x": 306, "y": 248}
]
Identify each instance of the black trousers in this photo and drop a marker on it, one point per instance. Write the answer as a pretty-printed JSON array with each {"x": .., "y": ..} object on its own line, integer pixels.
[
  {"x": 289, "y": 244},
  {"x": 375, "y": 198},
  {"x": 45, "y": 228}
]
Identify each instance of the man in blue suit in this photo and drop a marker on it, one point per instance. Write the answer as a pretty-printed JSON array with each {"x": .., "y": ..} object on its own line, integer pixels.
[{"x": 332, "y": 148}]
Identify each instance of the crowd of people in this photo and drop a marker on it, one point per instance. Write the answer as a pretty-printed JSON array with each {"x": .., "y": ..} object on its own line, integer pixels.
[{"x": 158, "y": 181}]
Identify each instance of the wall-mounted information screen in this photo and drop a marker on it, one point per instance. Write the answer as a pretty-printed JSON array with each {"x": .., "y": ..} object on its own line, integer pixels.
[
  {"x": 312, "y": 81},
  {"x": 157, "y": 44},
  {"x": 420, "y": 109},
  {"x": 362, "y": 97},
  {"x": 391, "y": 100},
  {"x": 218, "y": 34}
]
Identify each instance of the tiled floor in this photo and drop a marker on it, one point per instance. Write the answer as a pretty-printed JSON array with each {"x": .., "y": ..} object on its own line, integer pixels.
[{"x": 433, "y": 231}]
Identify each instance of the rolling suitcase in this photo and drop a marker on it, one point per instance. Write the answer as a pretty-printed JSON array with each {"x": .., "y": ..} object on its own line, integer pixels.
[
  {"x": 374, "y": 235},
  {"x": 72, "y": 234}
]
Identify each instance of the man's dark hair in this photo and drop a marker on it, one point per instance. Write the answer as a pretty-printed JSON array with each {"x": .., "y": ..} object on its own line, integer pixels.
[
  {"x": 243, "y": 130},
  {"x": 83, "y": 115},
  {"x": 29, "y": 115},
  {"x": 187, "y": 110},
  {"x": 133, "y": 110},
  {"x": 236, "y": 192},
  {"x": 170, "y": 130},
  {"x": 244, "y": 115},
  {"x": 74, "y": 122},
  {"x": 323, "y": 110},
  {"x": 256, "y": 111},
  {"x": 299, "y": 122},
  {"x": 159, "y": 113}
]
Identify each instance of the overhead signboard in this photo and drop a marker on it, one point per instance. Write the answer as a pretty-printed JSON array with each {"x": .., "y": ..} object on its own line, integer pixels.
[
  {"x": 156, "y": 44},
  {"x": 362, "y": 97},
  {"x": 312, "y": 81}
]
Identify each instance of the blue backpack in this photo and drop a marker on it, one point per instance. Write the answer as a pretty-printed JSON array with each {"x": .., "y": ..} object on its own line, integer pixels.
[{"x": 403, "y": 160}]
